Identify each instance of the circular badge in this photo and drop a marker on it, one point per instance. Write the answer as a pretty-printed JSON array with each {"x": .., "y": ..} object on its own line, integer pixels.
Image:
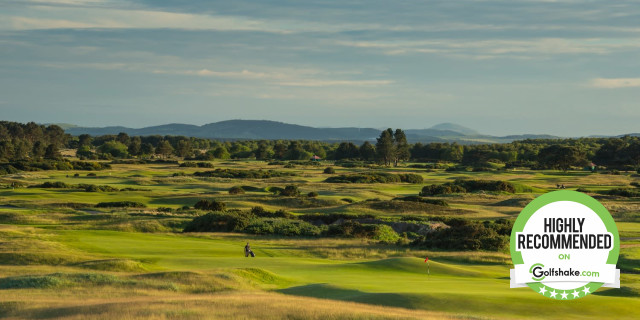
[{"x": 565, "y": 245}]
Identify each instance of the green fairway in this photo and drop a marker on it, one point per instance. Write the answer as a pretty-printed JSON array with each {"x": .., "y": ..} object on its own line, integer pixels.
[{"x": 72, "y": 258}]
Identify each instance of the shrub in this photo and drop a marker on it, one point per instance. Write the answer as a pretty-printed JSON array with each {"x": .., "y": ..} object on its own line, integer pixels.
[
  {"x": 411, "y": 178},
  {"x": 463, "y": 186},
  {"x": 236, "y": 190},
  {"x": 55, "y": 185},
  {"x": 438, "y": 202},
  {"x": 91, "y": 174},
  {"x": 348, "y": 200},
  {"x": 290, "y": 191},
  {"x": 329, "y": 170},
  {"x": 243, "y": 174},
  {"x": 261, "y": 212},
  {"x": 196, "y": 165},
  {"x": 437, "y": 189},
  {"x": 312, "y": 194},
  {"x": 274, "y": 190},
  {"x": 464, "y": 234},
  {"x": 221, "y": 222},
  {"x": 354, "y": 229},
  {"x": 121, "y": 204},
  {"x": 284, "y": 227},
  {"x": 624, "y": 192},
  {"x": 211, "y": 205}
]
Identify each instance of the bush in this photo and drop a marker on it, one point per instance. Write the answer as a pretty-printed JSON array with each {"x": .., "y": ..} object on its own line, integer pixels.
[
  {"x": 464, "y": 234},
  {"x": 329, "y": 170},
  {"x": 220, "y": 222},
  {"x": 376, "y": 177},
  {"x": 437, "y": 189},
  {"x": 312, "y": 194},
  {"x": 284, "y": 227},
  {"x": 121, "y": 204},
  {"x": 411, "y": 178},
  {"x": 243, "y": 174},
  {"x": 55, "y": 185},
  {"x": 236, "y": 190},
  {"x": 196, "y": 165},
  {"x": 290, "y": 191},
  {"x": 211, "y": 205},
  {"x": 95, "y": 188},
  {"x": 438, "y": 202},
  {"x": 624, "y": 192},
  {"x": 261, "y": 212},
  {"x": 464, "y": 186},
  {"x": 354, "y": 229}
]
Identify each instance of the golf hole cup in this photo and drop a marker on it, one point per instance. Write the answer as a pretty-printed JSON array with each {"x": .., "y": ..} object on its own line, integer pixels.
[{"x": 564, "y": 246}]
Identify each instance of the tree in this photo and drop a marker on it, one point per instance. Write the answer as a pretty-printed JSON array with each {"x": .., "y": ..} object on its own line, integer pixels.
[
  {"x": 114, "y": 148},
  {"x": 183, "y": 148},
  {"x": 38, "y": 149},
  {"x": 402, "y": 147},
  {"x": 123, "y": 138},
  {"x": 221, "y": 153},
  {"x": 279, "y": 150},
  {"x": 385, "y": 147},
  {"x": 164, "y": 148},
  {"x": 346, "y": 150},
  {"x": 84, "y": 152},
  {"x": 52, "y": 152},
  {"x": 147, "y": 149},
  {"x": 367, "y": 151},
  {"x": 561, "y": 157},
  {"x": 135, "y": 146},
  {"x": 84, "y": 140}
]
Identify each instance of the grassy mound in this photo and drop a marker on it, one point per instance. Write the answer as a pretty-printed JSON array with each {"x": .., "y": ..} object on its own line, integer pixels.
[{"x": 125, "y": 265}]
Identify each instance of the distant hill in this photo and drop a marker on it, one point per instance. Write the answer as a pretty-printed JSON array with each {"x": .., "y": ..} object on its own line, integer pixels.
[
  {"x": 447, "y": 126},
  {"x": 273, "y": 130}
]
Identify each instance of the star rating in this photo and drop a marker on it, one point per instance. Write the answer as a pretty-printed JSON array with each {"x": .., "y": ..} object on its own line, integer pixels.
[
  {"x": 586, "y": 290},
  {"x": 576, "y": 294},
  {"x": 564, "y": 294},
  {"x": 543, "y": 290},
  {"x": 553, "y": 293}
]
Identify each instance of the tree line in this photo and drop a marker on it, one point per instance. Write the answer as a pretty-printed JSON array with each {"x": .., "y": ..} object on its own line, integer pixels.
[{"x": 31, "y": 142}]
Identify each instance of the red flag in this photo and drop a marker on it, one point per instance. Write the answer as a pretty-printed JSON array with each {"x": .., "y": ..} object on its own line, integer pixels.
[{"x": 427, "y": 259}]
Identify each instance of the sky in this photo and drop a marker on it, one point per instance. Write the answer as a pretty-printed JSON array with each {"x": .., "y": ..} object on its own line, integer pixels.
[{"x": 564, "y": 67}]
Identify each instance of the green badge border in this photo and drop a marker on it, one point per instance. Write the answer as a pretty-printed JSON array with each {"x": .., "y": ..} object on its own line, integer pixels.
[{"x": 565, "y": 195}]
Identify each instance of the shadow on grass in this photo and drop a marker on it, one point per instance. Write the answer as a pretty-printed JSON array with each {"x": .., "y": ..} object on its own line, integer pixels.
[{"x": 326, "y": 291}]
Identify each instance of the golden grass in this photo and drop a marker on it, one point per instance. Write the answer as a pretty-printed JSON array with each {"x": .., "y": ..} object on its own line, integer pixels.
[{"x": 236, "y": 305}]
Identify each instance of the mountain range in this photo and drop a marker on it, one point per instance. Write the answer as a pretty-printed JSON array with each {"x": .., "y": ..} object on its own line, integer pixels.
[{"x": 273, "y": 130}]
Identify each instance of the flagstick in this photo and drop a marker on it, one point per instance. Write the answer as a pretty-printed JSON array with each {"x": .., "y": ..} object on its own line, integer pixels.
[{"x": 428, "y": 271}]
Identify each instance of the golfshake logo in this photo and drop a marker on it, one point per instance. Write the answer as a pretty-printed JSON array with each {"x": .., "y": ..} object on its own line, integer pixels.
[{"x": 565, "y": 245}]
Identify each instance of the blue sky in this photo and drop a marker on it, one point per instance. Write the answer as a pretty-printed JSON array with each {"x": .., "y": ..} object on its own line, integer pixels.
[{"x": 562, "y": 67}]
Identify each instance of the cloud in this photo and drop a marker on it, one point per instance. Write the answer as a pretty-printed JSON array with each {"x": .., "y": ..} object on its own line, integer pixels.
[
  {"x": 330, "y": 83},
  {"x": 614, "y": 83}
]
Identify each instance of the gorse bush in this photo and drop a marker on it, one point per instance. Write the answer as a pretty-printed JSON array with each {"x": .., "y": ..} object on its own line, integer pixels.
[
  {"x": 376, "y": 177},
  {"x": 196, "y": 165},
  {"x": 624, "y": 192},
  {"x": 243, "y": 174},
  {"x": 121, "y": 204},
  {"x": 354, "y": 229},
  {"x": 236, "y": 190},
  {"x": 464, "y": 186},
  {"x": 464, "y": 234},
  {"x": 329, "y": 170},
  {"x": 290, "y": 191},
  {"x": 261, "y": 212},
  {"x": 220, "y": 222},
  {"x": 211, "y": 205},
  {"x": 438, "y": 202},
  {"x": 285, "y": 227}
]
